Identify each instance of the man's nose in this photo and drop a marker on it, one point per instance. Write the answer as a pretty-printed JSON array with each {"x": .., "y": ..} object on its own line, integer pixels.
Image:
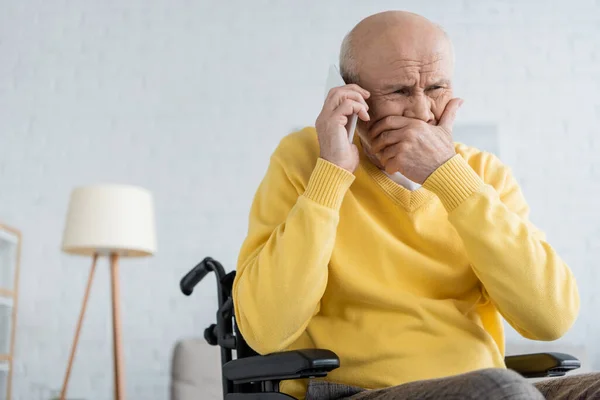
[{"x": 419, "y": 108}]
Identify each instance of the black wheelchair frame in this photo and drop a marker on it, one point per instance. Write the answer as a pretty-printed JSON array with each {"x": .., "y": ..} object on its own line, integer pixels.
[{"x": 251, "y": 376}]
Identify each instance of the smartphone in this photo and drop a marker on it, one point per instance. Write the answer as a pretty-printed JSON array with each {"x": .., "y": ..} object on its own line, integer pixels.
[{"x": 334, "y": 79}]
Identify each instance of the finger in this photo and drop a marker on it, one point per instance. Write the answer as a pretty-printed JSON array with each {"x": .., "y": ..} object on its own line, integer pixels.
[
  {"x": 338, "y": 95},
  {"x": 449, "y": 114},
  {"x": 349, "y": 107},
  {"x": 392, "y": 167},
  {"x": 342, "y": 120},
  {"x": 354, "y": 86},
  {"x": 390, "y": 122},
  {"x": 389, "y": 152},
  {"x": 388, "y": 138},
  {"x": 392, "y": 164},
  {"x": 364, "y": 115}
]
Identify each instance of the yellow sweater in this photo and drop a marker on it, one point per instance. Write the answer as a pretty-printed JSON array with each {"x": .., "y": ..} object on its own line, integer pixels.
[{"x": 401, "y": 285}]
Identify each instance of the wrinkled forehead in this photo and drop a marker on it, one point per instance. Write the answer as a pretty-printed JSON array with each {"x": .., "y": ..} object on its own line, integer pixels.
[{"x": 400, "y": 52}]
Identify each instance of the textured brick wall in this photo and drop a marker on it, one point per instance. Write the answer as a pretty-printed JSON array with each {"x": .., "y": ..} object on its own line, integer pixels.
[{"x": 189, "y": 98}]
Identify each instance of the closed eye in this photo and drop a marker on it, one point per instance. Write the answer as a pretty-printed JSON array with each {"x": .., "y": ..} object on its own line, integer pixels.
[
  {"x": 403, "y": 91},
  {"x": 435, "y": 87}
]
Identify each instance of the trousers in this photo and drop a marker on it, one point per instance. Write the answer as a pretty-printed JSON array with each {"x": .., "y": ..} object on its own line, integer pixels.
[{"x": 492, "y": 384}]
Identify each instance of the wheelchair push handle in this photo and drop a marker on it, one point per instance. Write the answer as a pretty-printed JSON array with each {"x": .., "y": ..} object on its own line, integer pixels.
[
  {"x": 192, "y": 278},
  {"x": 196, "y": 274}
]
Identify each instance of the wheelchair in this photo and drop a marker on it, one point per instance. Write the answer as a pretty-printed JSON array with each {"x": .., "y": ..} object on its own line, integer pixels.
[{"x": 251, "y": 376}]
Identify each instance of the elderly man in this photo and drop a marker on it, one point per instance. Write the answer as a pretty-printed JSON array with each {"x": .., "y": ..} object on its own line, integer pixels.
[{"x": 400, "y": 252}]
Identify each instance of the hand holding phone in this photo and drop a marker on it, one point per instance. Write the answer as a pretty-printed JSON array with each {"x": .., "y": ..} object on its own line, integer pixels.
[
  {"x": 344, "y": 103},
  {"x": 334, "y": 79}
]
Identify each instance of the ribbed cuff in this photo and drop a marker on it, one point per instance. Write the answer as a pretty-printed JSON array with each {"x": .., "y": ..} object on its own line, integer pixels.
[
  {"x": 328, "y": 184},
  {"x": 453, "y": 182}
]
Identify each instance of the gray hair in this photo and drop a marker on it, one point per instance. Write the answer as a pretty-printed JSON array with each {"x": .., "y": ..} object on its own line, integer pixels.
[{"x": 348, "y": 62}]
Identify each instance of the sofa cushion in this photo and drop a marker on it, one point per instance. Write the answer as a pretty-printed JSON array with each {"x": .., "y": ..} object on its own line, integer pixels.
[{"x": 196, "y": 371}]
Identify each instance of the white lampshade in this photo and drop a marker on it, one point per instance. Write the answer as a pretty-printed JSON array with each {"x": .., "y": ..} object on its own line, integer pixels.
[{"x": 110, "y": 218}]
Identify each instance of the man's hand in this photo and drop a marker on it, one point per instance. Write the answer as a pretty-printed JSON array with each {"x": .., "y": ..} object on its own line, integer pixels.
[
  {"x": 340, "y": 104},
  {"x": 412, "y": 146}
]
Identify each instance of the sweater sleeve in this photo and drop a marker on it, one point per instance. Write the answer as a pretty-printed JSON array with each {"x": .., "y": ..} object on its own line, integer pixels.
[
  {"x": 522, "y": 275},
  {"x": 283, "y": 264}
]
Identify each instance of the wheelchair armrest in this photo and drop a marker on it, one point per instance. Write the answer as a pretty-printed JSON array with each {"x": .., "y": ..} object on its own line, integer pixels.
[
  {"x": 542, "y": 364},
  {"x": 306, "y": 363}
]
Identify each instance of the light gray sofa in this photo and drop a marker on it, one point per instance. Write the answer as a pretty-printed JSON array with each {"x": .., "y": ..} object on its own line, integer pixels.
[
  {"x": 196, "y": 371},
  {"x": 196, "y": 366}
]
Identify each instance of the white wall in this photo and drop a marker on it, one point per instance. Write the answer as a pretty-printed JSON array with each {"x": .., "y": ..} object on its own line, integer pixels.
[{"x": 189, "y": 98}]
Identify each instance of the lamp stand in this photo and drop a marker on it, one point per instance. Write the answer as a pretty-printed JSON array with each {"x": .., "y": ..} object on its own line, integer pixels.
[
  {"x": 63, "y": 393},
  {"x": 117, "y": 342}
]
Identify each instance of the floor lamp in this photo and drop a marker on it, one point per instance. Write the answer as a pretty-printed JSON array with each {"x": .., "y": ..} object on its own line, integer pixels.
[{"x": 114, "y": 221}]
